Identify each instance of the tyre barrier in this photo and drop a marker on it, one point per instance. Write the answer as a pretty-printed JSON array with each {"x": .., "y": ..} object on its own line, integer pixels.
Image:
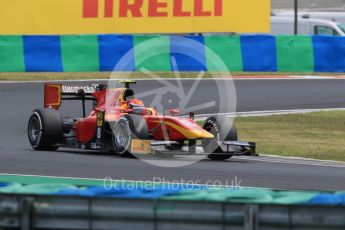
[
  {"x": 83, "y": 53},
  {"x": 170, "y": 192}
]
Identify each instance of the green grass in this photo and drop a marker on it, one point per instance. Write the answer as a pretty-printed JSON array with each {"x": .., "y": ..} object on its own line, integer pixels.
[
  {"x": 105, "y": 75},
  {"x": 318, "y": 135}
]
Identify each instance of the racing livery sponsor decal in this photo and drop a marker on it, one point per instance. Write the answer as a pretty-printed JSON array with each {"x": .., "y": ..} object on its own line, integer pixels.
[
  {"x": 156, "y": 8},
  {"x": 140, "y": 146},
  {"x": 133, "y": 16},
  {"x": 74, "y": 88},
  {"x": 100, "y": 119}
]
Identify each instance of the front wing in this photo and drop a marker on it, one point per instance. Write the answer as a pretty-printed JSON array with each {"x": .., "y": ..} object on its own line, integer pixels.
[{"x": 161, "y": 148}]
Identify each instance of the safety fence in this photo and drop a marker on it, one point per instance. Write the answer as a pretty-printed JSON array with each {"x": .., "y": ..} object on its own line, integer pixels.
[
  {"x": 248, "y": 53},
  {"x": 28, "y": 212},
  {"x": 129, "y": 205}
]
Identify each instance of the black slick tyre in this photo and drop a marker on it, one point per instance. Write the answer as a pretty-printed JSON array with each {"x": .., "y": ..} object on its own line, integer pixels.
[
  {"x": 126, "y": 129},
  {"x": 45, "y": 129},
  {"x": 223, "y": 129}
]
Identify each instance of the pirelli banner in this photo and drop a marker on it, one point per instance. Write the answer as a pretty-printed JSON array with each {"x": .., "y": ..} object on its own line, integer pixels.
[{"x": 31, "y": 17}]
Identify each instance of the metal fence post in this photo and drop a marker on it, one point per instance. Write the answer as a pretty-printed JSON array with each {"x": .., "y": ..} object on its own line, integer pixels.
[
  {"x": 250, "y": 217},
  {"x": 26, "y": 213},
  {"x": 296, "y": 17},
  {"x": 223, "y": 216}
]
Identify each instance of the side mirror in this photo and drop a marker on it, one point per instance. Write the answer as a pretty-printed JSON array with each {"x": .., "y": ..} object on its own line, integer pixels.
[{"x": 174, "y": 112}]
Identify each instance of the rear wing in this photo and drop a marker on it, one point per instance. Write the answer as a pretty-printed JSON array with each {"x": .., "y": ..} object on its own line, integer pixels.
[{"x": 54, "y": 94}]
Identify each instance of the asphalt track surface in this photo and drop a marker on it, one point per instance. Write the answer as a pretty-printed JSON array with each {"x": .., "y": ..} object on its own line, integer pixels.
[{"x": 16, "y": 157}]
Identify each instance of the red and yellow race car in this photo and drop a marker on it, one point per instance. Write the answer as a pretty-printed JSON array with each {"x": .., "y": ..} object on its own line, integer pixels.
[{"x": 121, "y": 123}]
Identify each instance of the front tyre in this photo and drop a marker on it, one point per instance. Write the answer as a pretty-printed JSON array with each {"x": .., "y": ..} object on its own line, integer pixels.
[
  {"x": 45, "y": 129},
  {"x": 126, "y": 129},
  {"x": 223, "y": 129}
]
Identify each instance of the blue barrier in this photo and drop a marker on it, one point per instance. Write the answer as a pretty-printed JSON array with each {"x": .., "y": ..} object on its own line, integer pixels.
[
  {"x": 112, "y": 48},
  {"x": 123, "y": 192},
  {"x": 187, "y": 56},
  {"x": 42, "y": 54},
  {"x": 259, "y": 53},
  {"x": 2, "y": 184},
  {"x": 329, "y": 54},
  {"x": 328, "y": 199}
]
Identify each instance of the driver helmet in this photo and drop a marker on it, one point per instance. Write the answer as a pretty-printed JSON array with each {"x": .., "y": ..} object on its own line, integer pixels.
[{"x": 135, "y": 103}]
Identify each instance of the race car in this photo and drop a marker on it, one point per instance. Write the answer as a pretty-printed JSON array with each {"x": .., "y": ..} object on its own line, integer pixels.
[{"x": 121, "y": 123}]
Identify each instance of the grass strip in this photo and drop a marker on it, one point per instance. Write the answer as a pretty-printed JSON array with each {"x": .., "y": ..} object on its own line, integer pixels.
[{"x": 319, "y": 135}]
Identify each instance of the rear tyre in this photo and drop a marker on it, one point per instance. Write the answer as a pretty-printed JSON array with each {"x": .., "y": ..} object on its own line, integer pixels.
[
  {"x": 126, "y": 129},
  {"x": 45, "y": 129},
  {"x": 223, "y": 129}
]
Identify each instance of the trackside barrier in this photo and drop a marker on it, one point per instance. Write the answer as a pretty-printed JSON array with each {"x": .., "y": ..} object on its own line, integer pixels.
[
  {"x": 35, "y": 188},
  {"x": 129, "y": 192},
  {"x": 2, "y": 184},
  {"x": 178, "y": 192},
  {"x": 332, "y": 199},
  {"x": 71, "y": 212},
  {"x": 248, "y": 53}
]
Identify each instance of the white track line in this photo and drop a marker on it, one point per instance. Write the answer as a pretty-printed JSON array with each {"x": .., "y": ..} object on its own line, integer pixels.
[
  {"x": 267, "y": 113},
  {"x": 51, "y": 177},
  {"x": 304, "y": 159},
  {"x": 294, "y": 161},
  {"x": 315, "y": 77}
]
